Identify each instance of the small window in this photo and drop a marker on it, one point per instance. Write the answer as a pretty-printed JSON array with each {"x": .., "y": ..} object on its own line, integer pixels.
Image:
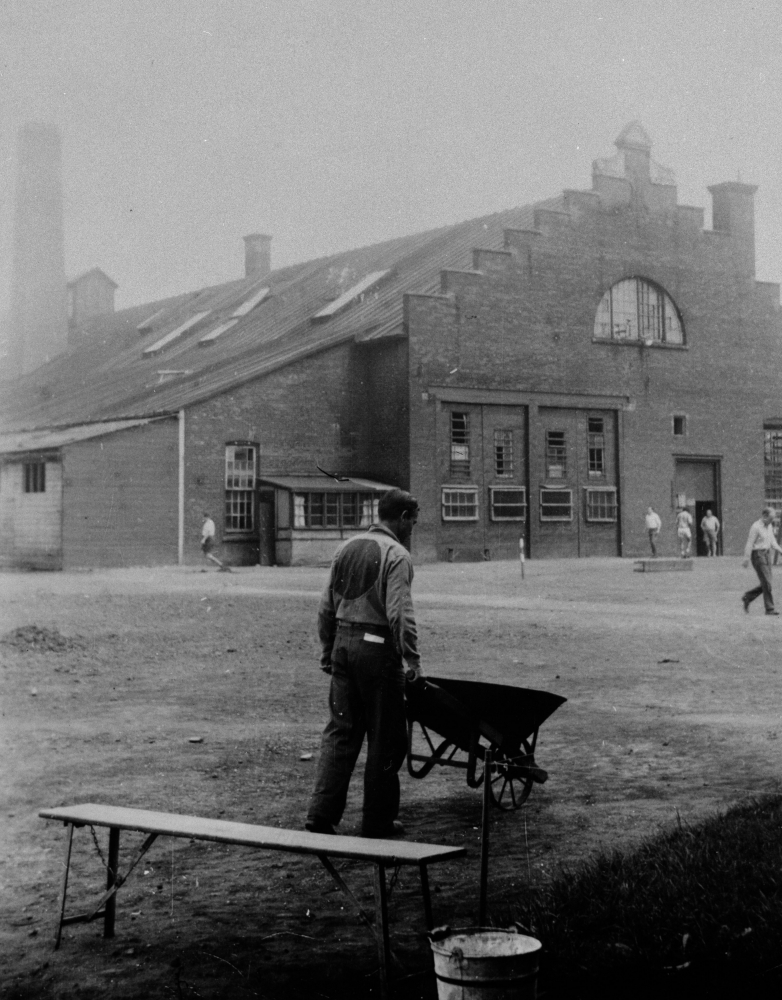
[
  {"x": 503, "y": 452},
  {"x": 556, "y": 455},
  {"x": 35, "y": 477},
  {"x": 556, "y": 505},
  {"x": 596, "y": 448},
  {"x": 334, "y": 510},
  {"x": 508, "y": 503},
  {"x": 679, "y": 426},
  {"x": 460, "y": 444},
  {"x": 240, "y": 462},
  {"x": 459, "y": 503},
  {"x": 601, "y": 504}
]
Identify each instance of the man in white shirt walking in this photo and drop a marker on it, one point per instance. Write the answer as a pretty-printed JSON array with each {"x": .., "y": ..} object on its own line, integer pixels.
[
  {"x": 760, "y": 542},
  {"x": 653, "y": 525}
]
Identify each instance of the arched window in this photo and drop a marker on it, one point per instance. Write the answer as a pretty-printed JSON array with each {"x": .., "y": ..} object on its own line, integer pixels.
[{"x": 636, "y": 310}]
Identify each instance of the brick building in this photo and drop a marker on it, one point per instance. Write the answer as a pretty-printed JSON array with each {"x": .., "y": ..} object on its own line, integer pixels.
[{"x": 544, "y": 374}]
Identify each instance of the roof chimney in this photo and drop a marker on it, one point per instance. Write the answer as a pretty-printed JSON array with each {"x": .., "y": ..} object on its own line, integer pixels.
[
  {"x": 733, "y": 213},
  {"x": 257, "y": 255},
  {"x": 91, "y": 294},
  {"x": 39, "y": 311}
]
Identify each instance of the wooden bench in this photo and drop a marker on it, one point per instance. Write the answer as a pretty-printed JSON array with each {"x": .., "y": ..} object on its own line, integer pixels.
[{"x": 381, "y": 853}]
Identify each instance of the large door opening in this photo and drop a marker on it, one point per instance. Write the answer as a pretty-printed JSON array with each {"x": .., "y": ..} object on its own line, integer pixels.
[{"x": 696, "y": 485}]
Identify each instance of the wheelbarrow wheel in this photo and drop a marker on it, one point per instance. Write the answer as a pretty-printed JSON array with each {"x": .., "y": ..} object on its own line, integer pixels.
[{"x": 509, "y": 786}]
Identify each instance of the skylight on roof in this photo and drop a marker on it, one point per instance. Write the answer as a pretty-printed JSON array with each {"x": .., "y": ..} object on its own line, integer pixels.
[
  {"x": 211, "y": 337},
  {"x": 347, "y": 297},
  {"x": 165, "y": 341},
  {"x": 147, "y": 323},
  {"x": 251, "y": 303}
]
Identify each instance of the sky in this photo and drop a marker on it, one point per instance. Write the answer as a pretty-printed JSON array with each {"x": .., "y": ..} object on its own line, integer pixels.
[{"x": 341, "y": 123}]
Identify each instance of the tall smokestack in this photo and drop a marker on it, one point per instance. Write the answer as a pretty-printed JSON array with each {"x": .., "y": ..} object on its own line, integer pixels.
[{"x": 39, "y": 320}]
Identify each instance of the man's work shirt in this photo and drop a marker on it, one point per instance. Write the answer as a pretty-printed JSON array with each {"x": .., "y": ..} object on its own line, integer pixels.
[
  {"x": 710, "y": 524},
  {"x": 369, "y": 584},
  {"x": 761, "y": 538},
  {"x": 653, "y": 522},
  {"x": 207, "y": 529}
]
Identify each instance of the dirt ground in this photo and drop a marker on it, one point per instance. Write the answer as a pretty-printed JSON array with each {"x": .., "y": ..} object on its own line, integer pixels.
[{"x": 674, "y": 700}]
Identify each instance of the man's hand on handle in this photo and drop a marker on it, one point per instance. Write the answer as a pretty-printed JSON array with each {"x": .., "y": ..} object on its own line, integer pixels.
[{"x": 414, "y": 674}]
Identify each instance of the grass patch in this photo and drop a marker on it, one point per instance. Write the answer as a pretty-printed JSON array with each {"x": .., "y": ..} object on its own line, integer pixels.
[{"x": 699, "y": 908}]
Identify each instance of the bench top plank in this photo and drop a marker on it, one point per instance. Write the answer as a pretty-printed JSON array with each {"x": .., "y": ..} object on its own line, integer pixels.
[{"x": 389, "y": 852}]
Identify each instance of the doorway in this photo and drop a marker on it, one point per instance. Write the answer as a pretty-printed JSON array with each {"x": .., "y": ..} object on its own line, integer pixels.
[
  {"x": 696, "y": 485},
  {"x": 266, "y": 528}
]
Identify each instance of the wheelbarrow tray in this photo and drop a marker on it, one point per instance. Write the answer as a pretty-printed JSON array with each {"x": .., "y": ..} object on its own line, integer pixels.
[{"x": 504, "y": 714}]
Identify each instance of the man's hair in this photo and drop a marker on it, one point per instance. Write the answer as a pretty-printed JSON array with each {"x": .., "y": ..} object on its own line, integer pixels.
[
  {"x": 771, "y": 510},
  {"x": 394, "y": 503}
]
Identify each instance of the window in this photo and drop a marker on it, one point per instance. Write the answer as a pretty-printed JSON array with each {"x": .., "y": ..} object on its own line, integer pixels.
[
  {"x": 679, "y": 426},
  {"x": 503, "y": 452},
  {"x": 596, "y": 448},
  {"x": 460, "y": 503},
  {"x": 508, "y": 503},
  {"x": 460, "y": 444},
  {"x": 600, "y": 503},
  {"x": 240, "y": 487},
  {"x": 35, "y": 477},
  {"x": 637, "y": 310},
  {"x": 772, "y": 466},
  {"x": 334, "y": 510},
  {"x": 556, "y": 505},
  {"x": 556, "y": 455}
]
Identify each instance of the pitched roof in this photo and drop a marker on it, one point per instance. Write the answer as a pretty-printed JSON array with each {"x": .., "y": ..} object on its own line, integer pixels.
[
  {"x": 113, "y": 372},
  {"x": 20, "y": 442}
]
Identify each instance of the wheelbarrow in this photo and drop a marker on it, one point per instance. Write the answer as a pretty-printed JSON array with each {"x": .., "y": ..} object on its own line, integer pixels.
[{"x": 468, "y": 717}]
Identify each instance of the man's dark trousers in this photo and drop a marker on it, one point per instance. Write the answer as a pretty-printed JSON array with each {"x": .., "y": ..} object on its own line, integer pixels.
[
  {"x": 761, "y": 563},
  {"x": 366, "y": 697}
]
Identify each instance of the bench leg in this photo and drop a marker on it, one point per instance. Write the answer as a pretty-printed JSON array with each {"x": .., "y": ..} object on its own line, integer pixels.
[
  {"x": 111, "y": 881},
  {"x": 427, "y": 897},
  {"x": 64, "y": 889},
  {"x": 381, "y": 923}
]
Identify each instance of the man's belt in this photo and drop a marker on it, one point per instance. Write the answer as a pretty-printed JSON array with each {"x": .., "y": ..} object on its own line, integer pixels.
[{"x": 378, "y": 630}]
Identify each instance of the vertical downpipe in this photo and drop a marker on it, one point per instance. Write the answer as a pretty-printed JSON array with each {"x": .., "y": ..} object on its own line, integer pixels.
[{"x": 181, "y": 497}]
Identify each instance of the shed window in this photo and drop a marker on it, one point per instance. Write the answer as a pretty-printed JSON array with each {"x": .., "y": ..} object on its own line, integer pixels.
[
  {"x": 556, "y": 505},
  {"x": 240, "y": 470},
  {"x": 460, "y": 503},
  {"x": 508, "y": 503},
  {"x": 35, "y": 477},
  {"x": 334, "y": 510},
  {"x": 601, "y": 504},
  {"x": 637, "y": 310}
]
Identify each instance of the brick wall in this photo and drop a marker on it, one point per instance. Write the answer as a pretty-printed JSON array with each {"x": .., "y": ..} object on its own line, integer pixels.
[{"x": 525, "y": 324}]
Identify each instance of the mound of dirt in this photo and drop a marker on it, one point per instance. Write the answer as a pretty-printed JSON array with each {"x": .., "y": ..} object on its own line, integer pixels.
[{"x": 29, "y": 638}]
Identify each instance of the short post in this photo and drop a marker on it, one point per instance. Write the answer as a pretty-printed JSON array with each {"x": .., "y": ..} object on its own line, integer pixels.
[
  {"x": 485, "y": 836},
  {"x": 521, "y": 556}
]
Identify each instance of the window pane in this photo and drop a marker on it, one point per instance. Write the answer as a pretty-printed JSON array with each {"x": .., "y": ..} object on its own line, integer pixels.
[
  {"x": 556, "y": 505},
  {"x": 601, "y": 505},
  {"x": 239, "y": 508},
  {"x": 332, "y": 510},
  {"x": 772, "y": 455},
  {"x": 239, "y": 467},
  {"x": 369, "y": 504},
  {"x": 624, "y": 310},
  {"x": 460, "y": 505},
  {"x": 299, "y": 510},
  {"x": 508, "y": 504},
  {"x": 634, "y": 309},
  {"x": 503, "y": 452},
  {"x": 35, "y": 477},
  {"x": 595, "y": 447},
  {"x": 315, "y": 519},
  {"x": 350, "y": 510},
  {"x": 556, "y": 456},
  {"x": 460, "y": 444}
]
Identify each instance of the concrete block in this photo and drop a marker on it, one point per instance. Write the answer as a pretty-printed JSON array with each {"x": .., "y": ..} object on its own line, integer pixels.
[{"x": 662, "y": 565}]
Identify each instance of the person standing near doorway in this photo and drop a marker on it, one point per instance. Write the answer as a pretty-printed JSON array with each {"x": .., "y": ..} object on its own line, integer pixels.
[
  {"x": 208, "y": 532},
  {"x": 710, "y": 526},
  {"x": 760, "y": 542},
  {"x": 653, "y": 526},
  {"x": 684, "y": 531}
]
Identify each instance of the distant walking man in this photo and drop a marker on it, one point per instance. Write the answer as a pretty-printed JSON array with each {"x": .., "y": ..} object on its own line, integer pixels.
[
  {"x": 367, "y": 633},
  {"x": 684, "y": 531},
  {"x": 710, "y": 526},
  {"x": 760, "y": 542},
  {"x": 653, "y": 526},
  {"x": 208, "y": 540}
]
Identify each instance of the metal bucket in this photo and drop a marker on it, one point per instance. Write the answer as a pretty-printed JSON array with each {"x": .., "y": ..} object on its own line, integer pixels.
[{"x": 484, "y": 963}]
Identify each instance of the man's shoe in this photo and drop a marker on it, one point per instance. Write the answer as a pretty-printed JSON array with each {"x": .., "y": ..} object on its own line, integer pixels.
[
  {"x": 395, "y": 830},
  {"x": 745, "y": 604},
  {"x": 772, "y": 612},
  {"x": 319, "y": 826}
]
